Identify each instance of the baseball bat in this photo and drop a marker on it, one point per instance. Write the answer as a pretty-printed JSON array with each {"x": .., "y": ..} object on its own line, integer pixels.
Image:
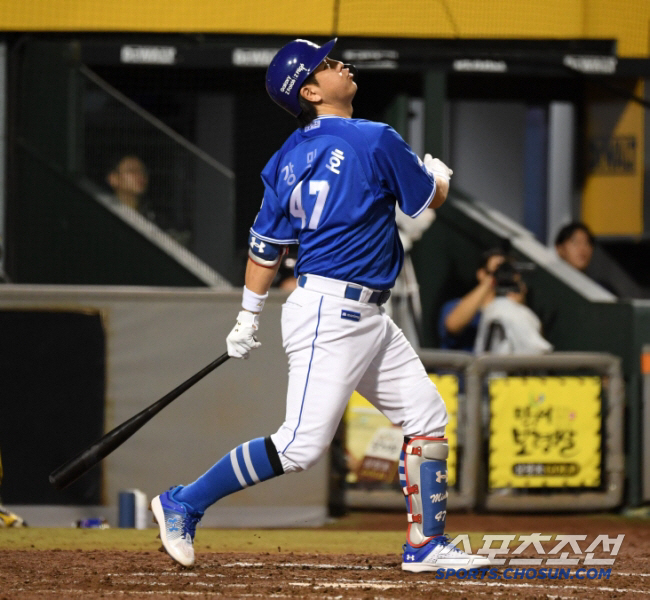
[{"x": 91, "y": 456}]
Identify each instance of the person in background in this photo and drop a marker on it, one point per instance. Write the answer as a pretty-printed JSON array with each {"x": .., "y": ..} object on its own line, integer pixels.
[
  {"x": 507, "y": 325},
  {"x": 459, "y": 317},
  {"x": 129, "y": 179},
  {"x": 574, "y": 244}
]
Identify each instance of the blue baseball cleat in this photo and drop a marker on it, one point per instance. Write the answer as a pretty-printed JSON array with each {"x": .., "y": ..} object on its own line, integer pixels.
[
  {"x": 440, "y": 553},
  {"x": 177, "y": 524}
]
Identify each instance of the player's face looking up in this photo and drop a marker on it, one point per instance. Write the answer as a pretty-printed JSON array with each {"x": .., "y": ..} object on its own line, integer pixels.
[{"x": 331, "y": 88}]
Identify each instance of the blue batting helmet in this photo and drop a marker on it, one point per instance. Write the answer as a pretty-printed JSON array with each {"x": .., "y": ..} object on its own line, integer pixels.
[{"x": 290, "y": 67}]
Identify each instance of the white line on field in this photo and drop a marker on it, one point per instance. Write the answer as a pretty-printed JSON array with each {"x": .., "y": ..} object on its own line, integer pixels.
[
  {"x": 310, "y": 565},
  {"x": 165, "y": 574},
  {"x": 63, "y": 593},
  {"x": 388, "y": 586},
  {"x": 601, "y": 588},
  {"x": 376, "y": 584},
  {"x": 401, "y": 584},
  {"x": 296, "y": 566},
  {"x": 379, "y": 583},
  {"x": 319, "y": 585},
  {"x": 347, "y": 586}
]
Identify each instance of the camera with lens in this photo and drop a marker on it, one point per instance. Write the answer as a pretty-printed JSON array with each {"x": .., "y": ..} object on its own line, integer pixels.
[{"x": 507, "y": 279}]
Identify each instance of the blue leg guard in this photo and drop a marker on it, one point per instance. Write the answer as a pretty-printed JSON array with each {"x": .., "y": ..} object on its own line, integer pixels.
[
  {"x": 423, "y": 472},
  {"x": 433, "y": 476}
]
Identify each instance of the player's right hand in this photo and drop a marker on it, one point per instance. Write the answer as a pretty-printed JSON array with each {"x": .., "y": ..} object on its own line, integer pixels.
[
  {"x": 436, "y": 167},
  {"x": 241, "y": 340}
]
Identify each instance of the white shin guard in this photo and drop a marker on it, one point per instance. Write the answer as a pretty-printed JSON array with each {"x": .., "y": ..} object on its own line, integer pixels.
[{"x": 423, "y": 476}]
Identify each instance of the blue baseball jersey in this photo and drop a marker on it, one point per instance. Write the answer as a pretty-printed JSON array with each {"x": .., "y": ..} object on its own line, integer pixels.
[{"x": 332, "y": 189}]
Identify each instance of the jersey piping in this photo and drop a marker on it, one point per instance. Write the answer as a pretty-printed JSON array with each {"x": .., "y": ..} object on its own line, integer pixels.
[
  {"x": 426, "y": 204},
  {"x": 271, "y": 240}
]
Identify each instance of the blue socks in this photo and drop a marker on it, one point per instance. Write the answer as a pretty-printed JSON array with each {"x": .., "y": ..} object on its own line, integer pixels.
[{"x": 244, "y": 466}]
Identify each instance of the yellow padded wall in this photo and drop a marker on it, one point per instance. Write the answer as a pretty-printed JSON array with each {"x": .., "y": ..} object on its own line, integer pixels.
[{"x": 625, "y": 21}]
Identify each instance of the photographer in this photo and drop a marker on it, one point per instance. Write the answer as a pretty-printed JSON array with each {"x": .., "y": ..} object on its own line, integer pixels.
[
  {"x": 507, "y": 325},
  {"x": 459, "y": 318}
]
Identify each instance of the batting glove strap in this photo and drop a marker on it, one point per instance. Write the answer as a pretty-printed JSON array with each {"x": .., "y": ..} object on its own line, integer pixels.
[{"x": 241, "y": 340}]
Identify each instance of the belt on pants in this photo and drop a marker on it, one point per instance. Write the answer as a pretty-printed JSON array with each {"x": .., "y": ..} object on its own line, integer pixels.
[{"x": 351, "y": 291}]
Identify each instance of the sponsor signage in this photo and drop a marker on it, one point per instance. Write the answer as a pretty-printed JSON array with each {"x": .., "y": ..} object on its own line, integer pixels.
[
  {"x": 480, "y": 66},
  {"x": 253, "y": 57},
  {"x": 600, "y": 65},
  {"x": 148, "y": 55},
  {"x": 372, "y": 58},
  {"x": 614, "y": 155},
  {"x": 545, "y": 432}
]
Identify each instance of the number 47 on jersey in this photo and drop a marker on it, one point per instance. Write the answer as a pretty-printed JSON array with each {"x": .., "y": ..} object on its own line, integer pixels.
[{"x": 318, "y": 188}]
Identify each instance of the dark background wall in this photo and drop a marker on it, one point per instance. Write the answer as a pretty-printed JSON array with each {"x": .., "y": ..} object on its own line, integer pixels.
[{"x": 52, "y": 369}]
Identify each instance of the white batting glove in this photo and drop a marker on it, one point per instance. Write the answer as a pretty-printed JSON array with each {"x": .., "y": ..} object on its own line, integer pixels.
[
  {"x": 241, "y": 340},
  {"x": 436, "y": 167}
]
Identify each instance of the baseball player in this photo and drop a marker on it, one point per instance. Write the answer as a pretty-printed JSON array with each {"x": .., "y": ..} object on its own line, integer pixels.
[{"x": 332, "y": 188}]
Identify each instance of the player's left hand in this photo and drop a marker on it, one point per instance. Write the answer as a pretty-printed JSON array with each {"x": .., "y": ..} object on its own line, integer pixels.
[
  {"x": 436, "y": 167},
  {"x": 241, "y": 340}
]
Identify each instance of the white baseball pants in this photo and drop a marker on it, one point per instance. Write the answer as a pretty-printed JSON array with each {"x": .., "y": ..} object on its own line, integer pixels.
[{"x": 335, "y": 346}]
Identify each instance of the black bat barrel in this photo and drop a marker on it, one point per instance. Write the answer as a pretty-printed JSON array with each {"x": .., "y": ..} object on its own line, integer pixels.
[{"x": 91, "y": 456}]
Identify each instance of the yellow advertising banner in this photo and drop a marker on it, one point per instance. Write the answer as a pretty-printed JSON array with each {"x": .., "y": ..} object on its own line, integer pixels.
[
  {"x": 612, "y": 199},
  {"x": 373, "y": 444},
  {"x": 545, "y": 432}
]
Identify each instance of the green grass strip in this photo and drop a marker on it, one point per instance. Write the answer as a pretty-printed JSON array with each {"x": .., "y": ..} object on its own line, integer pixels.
[{"x": 212, "y": 540}]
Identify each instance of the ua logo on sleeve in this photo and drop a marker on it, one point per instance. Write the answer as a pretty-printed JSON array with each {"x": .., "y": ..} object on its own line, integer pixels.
[{"x": 255, "y": 246}]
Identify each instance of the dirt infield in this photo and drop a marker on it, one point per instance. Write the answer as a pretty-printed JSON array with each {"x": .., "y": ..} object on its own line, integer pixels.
[{"x": 31, "y": 572}]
